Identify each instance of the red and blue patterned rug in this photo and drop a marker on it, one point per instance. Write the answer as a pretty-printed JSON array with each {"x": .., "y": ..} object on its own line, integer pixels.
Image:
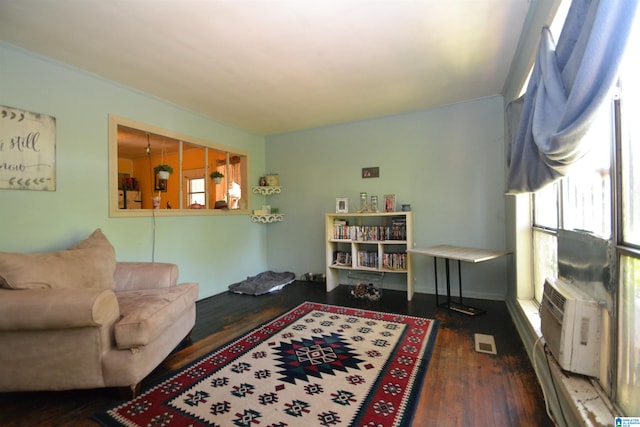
[{"x": 316, "y": 365}]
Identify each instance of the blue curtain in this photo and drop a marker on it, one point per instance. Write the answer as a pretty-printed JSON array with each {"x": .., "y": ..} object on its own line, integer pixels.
[{"x": 569, "y": 82}]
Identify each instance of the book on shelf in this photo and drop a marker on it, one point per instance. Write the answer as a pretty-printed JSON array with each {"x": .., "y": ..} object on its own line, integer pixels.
[
  {"x": 368, "y": 259},
  {"x": 370, "y": 233},
  {"x": 394, "y": 261},
  {"x": 342, "y": 258}
]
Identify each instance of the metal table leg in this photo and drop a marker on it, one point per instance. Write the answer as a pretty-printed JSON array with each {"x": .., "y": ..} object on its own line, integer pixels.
[
  {"x": 459, "y": 306},
  {"x": 435, "y": 271},
  {"x": 459, "y": 281}
]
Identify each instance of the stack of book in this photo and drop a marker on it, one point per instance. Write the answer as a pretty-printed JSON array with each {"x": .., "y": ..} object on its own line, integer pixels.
[
  {"x": 398, "y": 228},
  {"x": 368, "y": 259},
  {"x": 370, "y": 233},
  {"x": 342, "y": 258},
  {"x": 394, "y": 261}
]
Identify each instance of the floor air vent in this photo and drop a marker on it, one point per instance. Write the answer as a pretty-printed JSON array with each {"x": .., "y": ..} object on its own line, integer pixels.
[{"x": 485, "y": 343}]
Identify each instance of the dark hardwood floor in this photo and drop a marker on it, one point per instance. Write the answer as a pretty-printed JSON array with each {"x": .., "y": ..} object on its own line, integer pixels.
[{"x": 461, "y": 388}]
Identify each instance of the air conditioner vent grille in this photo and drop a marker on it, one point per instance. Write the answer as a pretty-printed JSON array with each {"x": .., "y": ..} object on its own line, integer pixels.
[
  {"x": 558, "y": 299},
  {"x": 555, "y": 297}
]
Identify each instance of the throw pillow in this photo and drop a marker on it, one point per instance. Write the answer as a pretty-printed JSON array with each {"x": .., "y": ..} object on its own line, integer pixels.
[{"x": 87, "y": 264}]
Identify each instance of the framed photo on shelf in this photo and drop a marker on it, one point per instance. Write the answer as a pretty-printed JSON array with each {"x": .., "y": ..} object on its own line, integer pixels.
[
  {"x": 160, "y": 184},
  {"x": 389, "y": 202},
  {"x": 342, "y": 205}
]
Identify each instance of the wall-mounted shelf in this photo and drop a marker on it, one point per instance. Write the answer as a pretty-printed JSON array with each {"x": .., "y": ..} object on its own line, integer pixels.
[
  {"x": 266, "y": 190},
  {"x": 267, "y": 219}
]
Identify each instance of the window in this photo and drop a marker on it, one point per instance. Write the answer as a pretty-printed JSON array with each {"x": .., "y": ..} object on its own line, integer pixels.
[
  {"x": 630, "y": 135},
  {"x": 587, "y": 189},
  {"x": 628, "y": 368},
  {"x": 136, "y": 153},
  {"x": 545, "y": 260},
  {"x": 545, "y": 224},
  {"x": 628, "y": 390},
  {"x": 196, "y": 192},
  {"x": 545, "y": 205},
  {"x": 588, "y": 199}
]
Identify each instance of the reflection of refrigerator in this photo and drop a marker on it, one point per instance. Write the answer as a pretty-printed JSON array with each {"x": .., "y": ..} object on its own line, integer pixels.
[{"x": 129, "y": 199}]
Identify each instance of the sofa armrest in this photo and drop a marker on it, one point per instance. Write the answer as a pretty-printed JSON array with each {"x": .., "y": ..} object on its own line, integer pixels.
[
  {"x": 40, "y": 309},
  {"x": 130, "y": 276}
]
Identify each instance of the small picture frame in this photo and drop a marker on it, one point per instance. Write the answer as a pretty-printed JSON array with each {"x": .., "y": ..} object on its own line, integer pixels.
[
  {"x": 372, "y": 172},
  {"x": 389, "y": 202},
  {"x": 342, "y": 205},
  {"x": 160, "y": 184}
]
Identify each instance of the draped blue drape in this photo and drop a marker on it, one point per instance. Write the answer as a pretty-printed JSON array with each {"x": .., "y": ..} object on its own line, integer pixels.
[{"x": 569, "y": 82}]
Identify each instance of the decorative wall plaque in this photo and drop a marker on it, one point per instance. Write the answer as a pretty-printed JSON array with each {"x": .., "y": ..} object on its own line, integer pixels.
[{"x": 27, "y": 150}]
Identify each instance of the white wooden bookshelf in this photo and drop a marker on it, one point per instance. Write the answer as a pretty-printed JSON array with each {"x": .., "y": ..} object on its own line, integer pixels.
[{"x": 368, "y": 251}]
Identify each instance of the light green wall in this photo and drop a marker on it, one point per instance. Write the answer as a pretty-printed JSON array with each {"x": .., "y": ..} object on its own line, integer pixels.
[
  {"x": 214, "y": 251},
  {"x": 447, "y": 162}
]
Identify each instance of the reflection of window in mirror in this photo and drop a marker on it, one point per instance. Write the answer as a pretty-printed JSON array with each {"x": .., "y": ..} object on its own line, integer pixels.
[{"x": 137, "y": 154}]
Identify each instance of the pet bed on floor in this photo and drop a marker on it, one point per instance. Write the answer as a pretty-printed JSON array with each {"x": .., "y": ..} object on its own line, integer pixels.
[{"x": 263, "y": 283}]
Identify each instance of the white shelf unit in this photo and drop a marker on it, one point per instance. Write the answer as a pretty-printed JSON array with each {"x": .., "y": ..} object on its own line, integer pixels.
[
  {"x": 268, "y": 218},
  {"x": 365, "y": 254}
]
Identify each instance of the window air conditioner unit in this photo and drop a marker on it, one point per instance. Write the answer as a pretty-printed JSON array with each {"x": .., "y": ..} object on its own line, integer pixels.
[{"x": 570, "y": 321}]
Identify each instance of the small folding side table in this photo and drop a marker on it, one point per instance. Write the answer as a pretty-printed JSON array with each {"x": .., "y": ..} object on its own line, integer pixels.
[{"x": 456, "y": 253}]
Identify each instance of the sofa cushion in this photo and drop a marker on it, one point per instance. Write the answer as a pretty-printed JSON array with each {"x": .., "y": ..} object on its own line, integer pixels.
[
  {"x": 146, "y": 313},
  {"x": 88, "y": 264}
]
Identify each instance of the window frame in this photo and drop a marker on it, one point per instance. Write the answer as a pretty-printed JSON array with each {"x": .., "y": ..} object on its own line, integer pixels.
[
  {"x": 618, "y": 244},
  {"x": 620, "y": 247},
  {"x": 114, "y": 211},
  {"x": 189, "y": 176}
]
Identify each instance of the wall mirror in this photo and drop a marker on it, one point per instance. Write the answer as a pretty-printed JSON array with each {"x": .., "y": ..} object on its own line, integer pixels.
[{"x": 204, "y": 178}]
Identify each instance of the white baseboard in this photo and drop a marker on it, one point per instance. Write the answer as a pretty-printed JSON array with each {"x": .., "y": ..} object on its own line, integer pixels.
[{"x": 465, "y": 293}]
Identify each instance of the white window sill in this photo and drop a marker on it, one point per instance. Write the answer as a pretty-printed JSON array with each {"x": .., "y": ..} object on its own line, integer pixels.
[
  {"x": 530, "y": 310},
  {"x": 581, "y": 397}
]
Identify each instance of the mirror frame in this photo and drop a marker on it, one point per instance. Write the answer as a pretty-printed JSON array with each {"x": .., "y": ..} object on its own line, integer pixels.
[{"x": 115, "y": 211}]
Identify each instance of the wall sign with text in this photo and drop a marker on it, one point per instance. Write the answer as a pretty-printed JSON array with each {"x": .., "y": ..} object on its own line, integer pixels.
[{"x": 27, "y": 150}]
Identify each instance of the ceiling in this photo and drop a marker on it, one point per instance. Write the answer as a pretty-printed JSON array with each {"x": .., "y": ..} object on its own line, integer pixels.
[{"x": 275, "y": 66}]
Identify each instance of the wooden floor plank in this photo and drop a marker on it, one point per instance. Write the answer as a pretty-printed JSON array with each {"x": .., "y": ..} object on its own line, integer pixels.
[{"x": 461, "y": 387}]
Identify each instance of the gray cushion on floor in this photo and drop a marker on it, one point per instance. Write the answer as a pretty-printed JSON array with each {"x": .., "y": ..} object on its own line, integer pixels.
[{"x": 263, "y": 283}]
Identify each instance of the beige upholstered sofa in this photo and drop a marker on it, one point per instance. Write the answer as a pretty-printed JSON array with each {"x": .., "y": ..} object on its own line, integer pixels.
[{"x": 77, "y": 319}]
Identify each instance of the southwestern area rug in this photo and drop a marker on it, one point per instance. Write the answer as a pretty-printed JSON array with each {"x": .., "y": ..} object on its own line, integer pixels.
[{"x": 316, "y": 365}]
